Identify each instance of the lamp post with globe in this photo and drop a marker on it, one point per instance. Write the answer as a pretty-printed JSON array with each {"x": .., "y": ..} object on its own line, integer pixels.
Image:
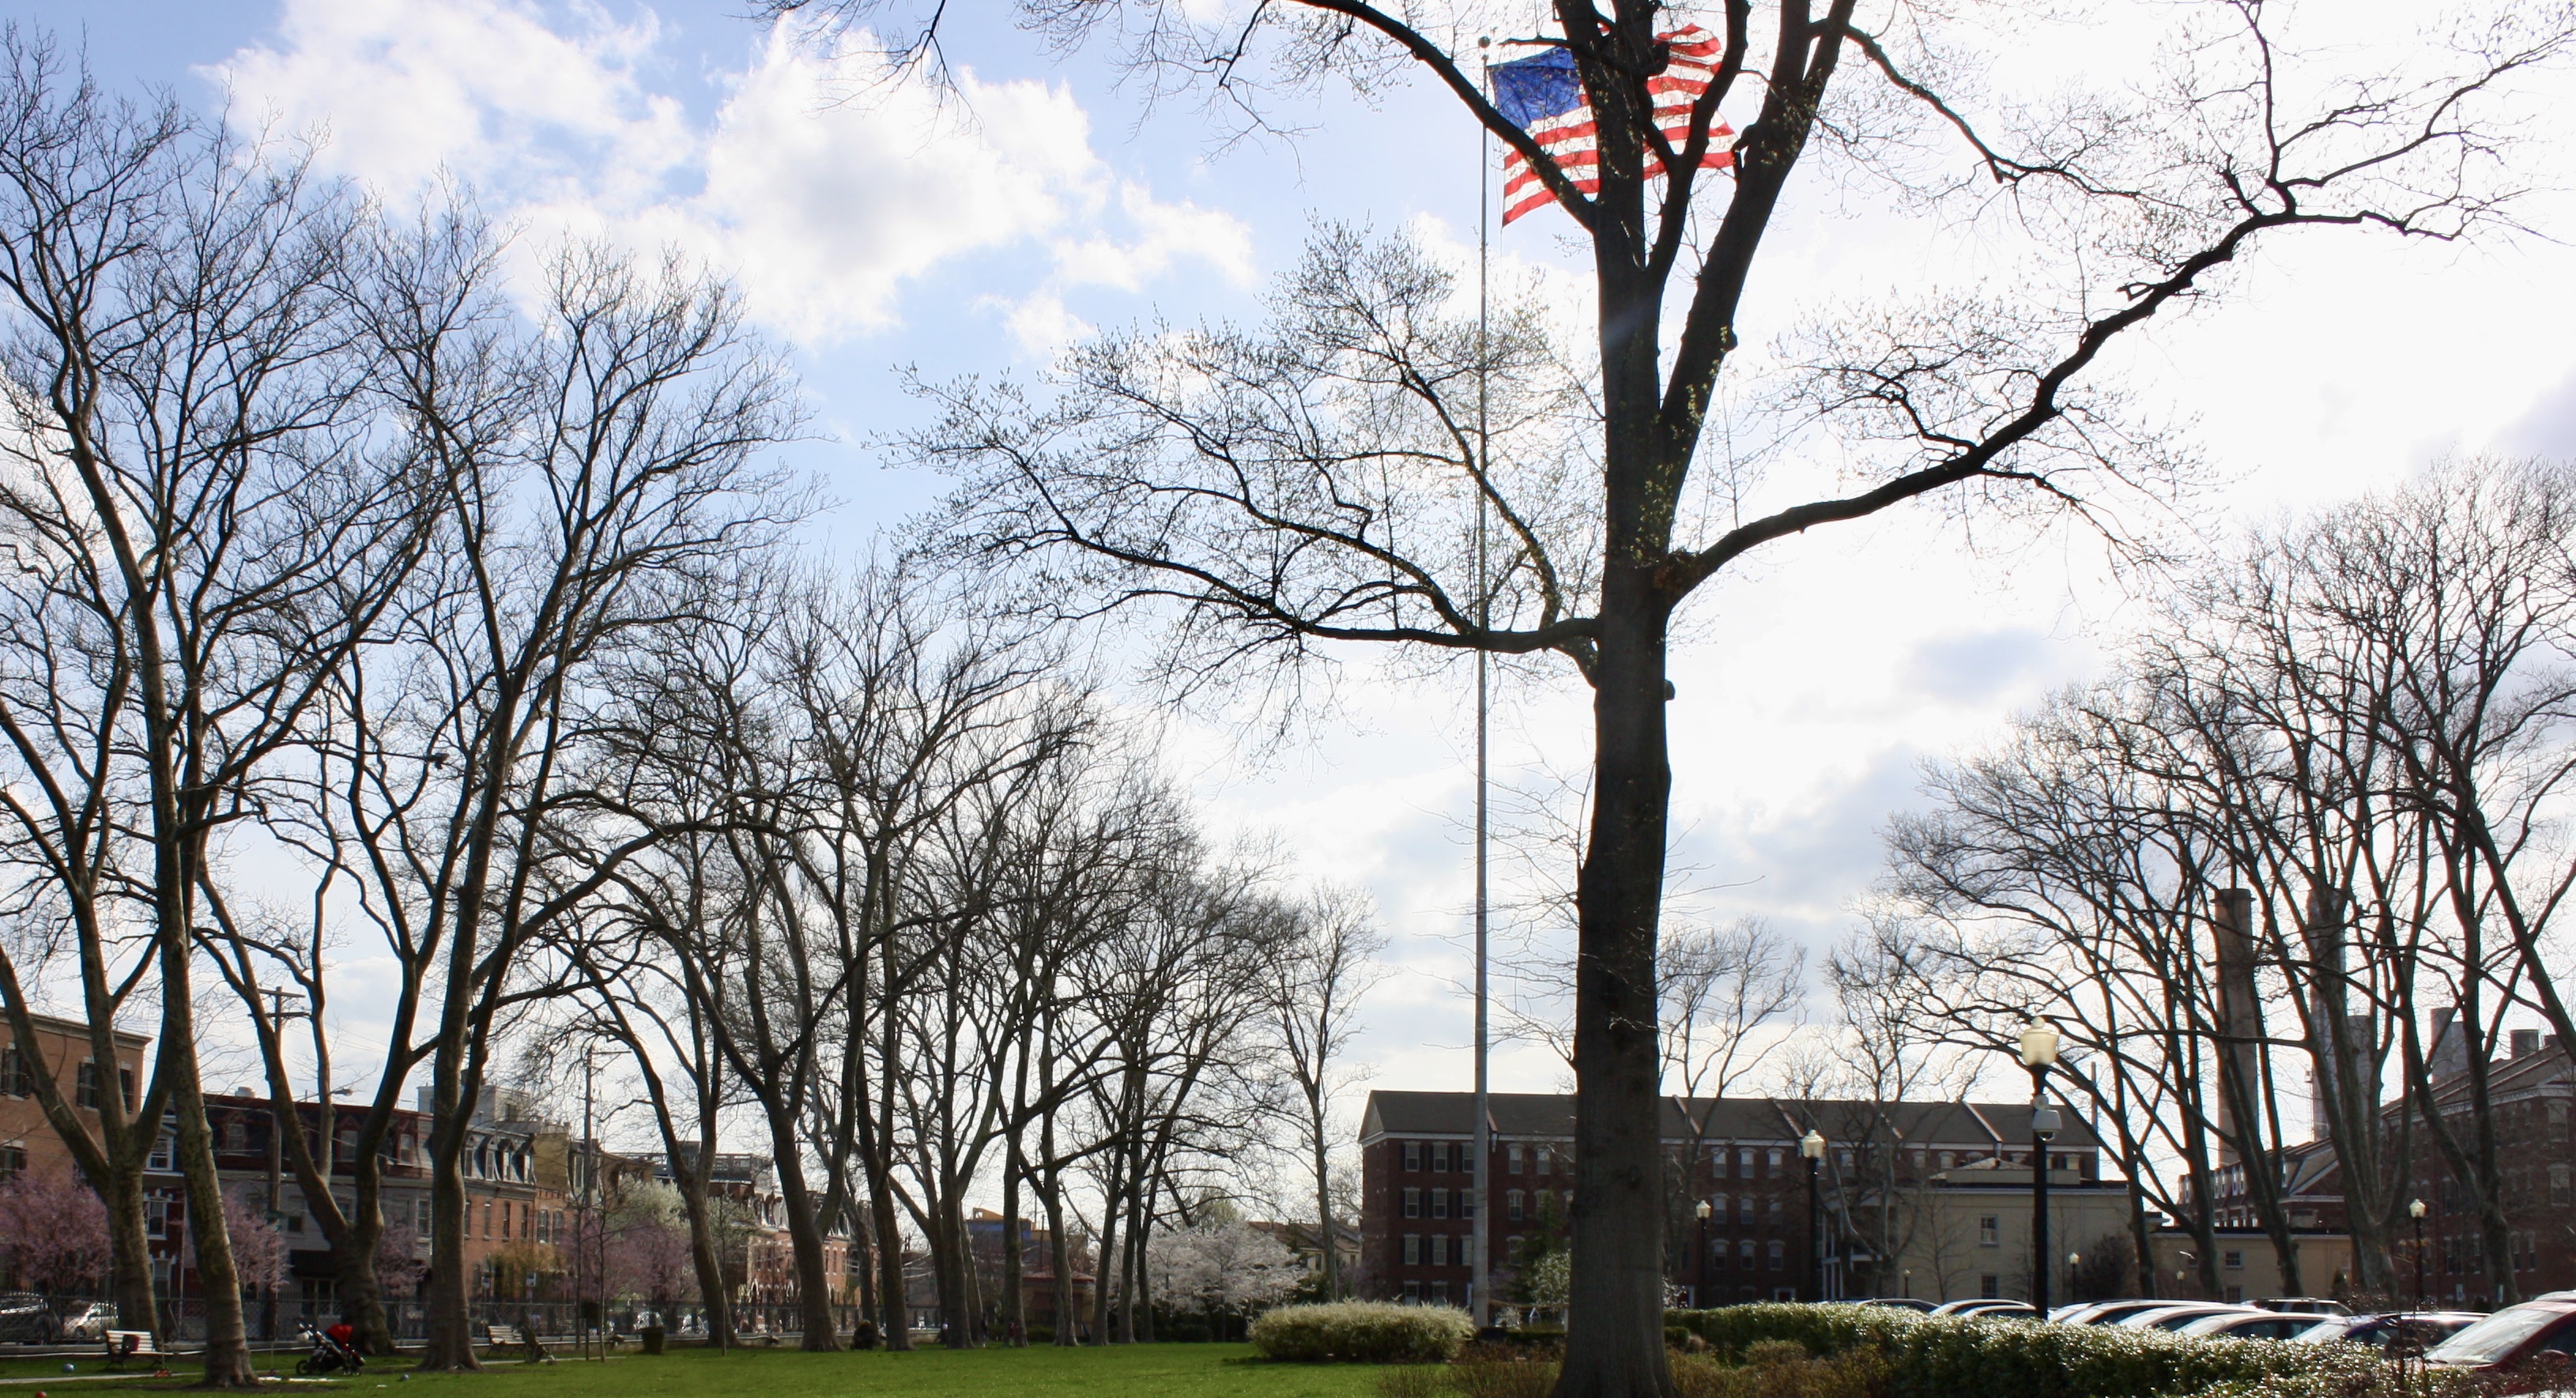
[
  {"x": 2038, "y": 1054},
  {"x": 1812, "y": 1146}
]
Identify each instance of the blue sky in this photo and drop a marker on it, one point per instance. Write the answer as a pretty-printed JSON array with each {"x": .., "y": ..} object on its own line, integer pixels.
[{"x": 875, "y": 229}]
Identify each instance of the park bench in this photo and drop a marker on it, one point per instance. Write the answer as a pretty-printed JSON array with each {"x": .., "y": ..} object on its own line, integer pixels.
[
  {"x": 132, "y": 1344},
  {"x": 512, "y": 1337}
]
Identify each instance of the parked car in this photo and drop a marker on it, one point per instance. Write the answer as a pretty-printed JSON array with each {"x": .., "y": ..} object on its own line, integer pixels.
[
  {"x": 1901, "y": 1303},
  {"x": 2302, "y": 1305},
  {"x": 2175, "y": 1315},
  {"x": 2394, "y": 1332},
  {"x": 27, "y": 1319},
  {"x": 2259, "y": 1325},
  {"x": 90, "y": 1320},
  {"x": 2536, "y": 1336},
  {"x": 1989, "y": 1307},
  {"x": 2108, "y": 1312}
]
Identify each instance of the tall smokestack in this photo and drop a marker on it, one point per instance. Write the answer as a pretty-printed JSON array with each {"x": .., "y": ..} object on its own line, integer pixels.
[{"x": 2240, "y": 1023}]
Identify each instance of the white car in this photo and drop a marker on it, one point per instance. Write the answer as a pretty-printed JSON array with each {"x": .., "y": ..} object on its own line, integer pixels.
[
  {"x": 2175, "y": 1317},
  {"x": 2110, "y": 1312},
  {"x": 2262, "y": 1325}
]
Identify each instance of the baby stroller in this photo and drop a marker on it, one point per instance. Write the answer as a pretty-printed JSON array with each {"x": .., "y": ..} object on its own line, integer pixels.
[{"x": 334, "y": 1352}]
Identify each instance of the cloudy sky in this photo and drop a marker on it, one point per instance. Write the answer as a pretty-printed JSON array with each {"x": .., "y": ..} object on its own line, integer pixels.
[{"x": 879, "y": 227}]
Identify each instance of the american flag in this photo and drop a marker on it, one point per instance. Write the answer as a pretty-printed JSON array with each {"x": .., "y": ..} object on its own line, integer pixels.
[{"x": 1544, "y": 97}]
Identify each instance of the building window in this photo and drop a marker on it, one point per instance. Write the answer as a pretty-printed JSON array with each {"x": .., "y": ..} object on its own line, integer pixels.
[
  {"x": 159, "y": 1159},
  {"x": 1717, "y": 1255},
  {"x": 1412, "y": 1249},
  {"x": 1439, "y": 1155},
  {"x": 85, "y": 1084},
  {"x": 156, "y": 1215},
  {"x": 1843, "y": 1161},
  {"x": 1744, "y": 1210},
  {"x": 1990, "y": 1287},
  {"x": 2232, "y": 1260},
  {"x": 1779, "y": 1255},
  {"x": 1717, "y": 1208},
  {"x": 1439, "y": 1250},
  {"x": 16, "y": 1078},
  {"x": 1413, "y": 1293},
  {"x": 1413, "y": 1203},
  {"x": 1466, "y": 1203},
  {"x": 13, "y": 1162},
  {"x": 1744, "y": 1163},
  {"x": 1513, "y": 1156},
  {"x": 1440, "y": 1293},
  {"x": 1773, "y": 1165},
  {"x": 236, "y": 1135},
  {"x": 1775, "y": 1214},
  {"x": 1516, "y": 1206},
  {"x": 1990, "y": 1230},
  {"x": 1440, "y": 1203},
  {"x": 1948, "y": 1160},
  {"x": 1413, "y": 1155},
  {"x": 1744, "y": 1254}
]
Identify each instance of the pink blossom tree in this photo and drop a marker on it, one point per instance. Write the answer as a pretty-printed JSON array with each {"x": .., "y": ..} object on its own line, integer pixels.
[
  {"x": 259, "y": 1252},
  {"x": 398, "y": 1265},
  {"x": 53, "y": 1232}
]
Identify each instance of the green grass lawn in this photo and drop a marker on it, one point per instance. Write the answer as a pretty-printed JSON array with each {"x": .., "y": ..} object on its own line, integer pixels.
[{"x": 1124, "y": 1371}]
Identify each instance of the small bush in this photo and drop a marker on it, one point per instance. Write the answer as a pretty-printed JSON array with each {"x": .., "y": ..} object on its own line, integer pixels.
[
  {"x": 864, "y": 1335},
  {"x": 1362, "y": 1332},
  {"x": 1490, "y": 1371},
  {"x": 1783, "y": 1369},
  {"x": 1414, "y": 1381}
]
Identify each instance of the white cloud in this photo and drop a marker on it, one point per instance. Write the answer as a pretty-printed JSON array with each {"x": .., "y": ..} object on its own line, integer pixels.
[{"x": 822, "y": 190}]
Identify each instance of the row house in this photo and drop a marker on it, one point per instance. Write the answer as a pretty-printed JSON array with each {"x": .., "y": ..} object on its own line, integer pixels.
[{"x": 1925, "y": 1199}]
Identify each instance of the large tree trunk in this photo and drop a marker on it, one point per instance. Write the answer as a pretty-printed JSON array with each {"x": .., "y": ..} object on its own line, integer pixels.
[
  {"x": 804, "y": 1236},
  {"x": 450, "y": 1343},
  {"x": 227, "y": 1346},
  {"x": 1614, "y": 1331},
  {"x": 1015, "y": 1320},
  {"x": 129, "y": 1259},
  {"x": 353, "y": 1267}
]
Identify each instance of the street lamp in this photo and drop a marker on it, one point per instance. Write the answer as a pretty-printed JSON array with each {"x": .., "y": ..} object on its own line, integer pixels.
[
  {"x": 1812, "y": 1146},
  {"x": 1699, "y": 1291},
  {"x": 2415, "y": 1210},
  {"x": 2038, "y": 1054}
]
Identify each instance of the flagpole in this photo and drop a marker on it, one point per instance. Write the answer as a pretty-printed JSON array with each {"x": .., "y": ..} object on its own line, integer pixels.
[{"x": 1480, "y": 1307}]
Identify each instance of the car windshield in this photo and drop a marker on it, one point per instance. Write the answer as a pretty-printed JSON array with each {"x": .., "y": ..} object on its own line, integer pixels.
[{"x": 2495, "y": 1337}]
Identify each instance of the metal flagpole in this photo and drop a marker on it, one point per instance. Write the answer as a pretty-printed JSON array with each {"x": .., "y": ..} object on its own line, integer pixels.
[{"x": 1480, "y": 1306}]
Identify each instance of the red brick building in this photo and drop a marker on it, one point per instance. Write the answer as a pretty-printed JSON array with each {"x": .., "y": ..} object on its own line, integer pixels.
[{"x": 1920, "y": 1198}]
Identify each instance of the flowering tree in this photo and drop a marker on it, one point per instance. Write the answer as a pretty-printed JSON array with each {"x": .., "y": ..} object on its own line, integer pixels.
[
  {"x": 259, "y": 1253},
  {"x": 1222, "y": 1267},
  {"x": 53, "y": 1232},
  {"x": 398, "y": 1265}
]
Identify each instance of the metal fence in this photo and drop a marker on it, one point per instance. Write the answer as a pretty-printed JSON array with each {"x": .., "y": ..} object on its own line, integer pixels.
[{"x": 183, "y": 1320}]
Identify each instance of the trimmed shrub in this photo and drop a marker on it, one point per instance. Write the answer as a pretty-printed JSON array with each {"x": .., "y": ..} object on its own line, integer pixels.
[
  {"x": 1362, "y": 1332},
  {"x": 1952, "y": 1357}
]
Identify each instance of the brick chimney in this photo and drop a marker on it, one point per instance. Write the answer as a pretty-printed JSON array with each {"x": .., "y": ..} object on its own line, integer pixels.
[{"x": 2526, "y": 1042}]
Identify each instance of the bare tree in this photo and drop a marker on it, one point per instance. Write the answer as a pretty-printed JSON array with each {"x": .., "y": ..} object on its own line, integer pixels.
[
  {"x": 202, "y": 528},
  {"x": 1314, "y": 484},
  {"x": 604, "y": 466},
  {"x": 1322, "y": 968}
]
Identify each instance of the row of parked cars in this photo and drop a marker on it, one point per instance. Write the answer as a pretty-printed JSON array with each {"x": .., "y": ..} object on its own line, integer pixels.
[
  {"x": 2536, "y": 1331},
  {"x": 29, "y": 1319}
]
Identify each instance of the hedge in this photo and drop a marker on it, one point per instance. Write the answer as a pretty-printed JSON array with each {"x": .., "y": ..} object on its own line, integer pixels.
[
  {"x": 1956, "y": 1357},
  {"x": 1363, "y": 1332}
]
